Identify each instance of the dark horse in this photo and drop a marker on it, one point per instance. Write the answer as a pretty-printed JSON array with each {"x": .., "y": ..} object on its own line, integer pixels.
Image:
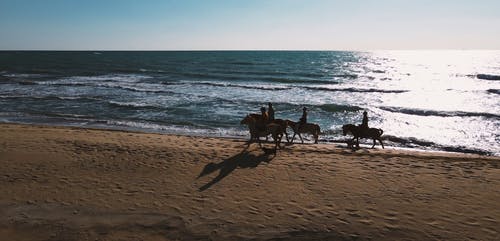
[
  {"x": 359, "y": 132},
  {"x": 273, "y": 129}
]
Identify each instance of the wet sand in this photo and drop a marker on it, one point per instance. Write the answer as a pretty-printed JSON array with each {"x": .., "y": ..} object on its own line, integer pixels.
[{"x": 60, "y": 183}]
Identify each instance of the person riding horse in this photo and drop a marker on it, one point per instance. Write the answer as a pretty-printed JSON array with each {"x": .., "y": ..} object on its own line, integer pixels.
[
  {"x": 364, "y": 123},
  {"x": 303, "y": 119},
  {"x": 261, "y": 124},
  {"x": 363, "y": 131},
  {"x": 270, "y": 112}
]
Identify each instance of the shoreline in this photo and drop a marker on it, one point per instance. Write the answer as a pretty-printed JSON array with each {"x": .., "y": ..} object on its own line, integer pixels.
[
  {"x": 70, "y": 183},
  {"x": 336, "y": 143}
]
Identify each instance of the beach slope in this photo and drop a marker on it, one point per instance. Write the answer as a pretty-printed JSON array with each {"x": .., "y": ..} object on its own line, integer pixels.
[{"x": 60, "y": 183}]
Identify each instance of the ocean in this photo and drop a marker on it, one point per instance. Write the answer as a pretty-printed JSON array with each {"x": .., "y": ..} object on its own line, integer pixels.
[{"x": 425, "y": 100}]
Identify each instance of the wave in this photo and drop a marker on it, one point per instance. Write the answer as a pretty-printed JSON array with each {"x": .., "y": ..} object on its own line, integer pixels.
[
  {"x": 14, "y": 75},
  {"x": 488, "y": 77},
  {"x": 133, "y": 105},
  {"x": 248, "y": 72},
  {"x": 212, "y": 76},
  {"x": 421, "y": 112},
  {"x": 129, "y": 78},
  {"x": 258, "y": 87},
  {"x": 27, "y": 82},
  {"x": 494, "y": 91},
  {"x": 268, "y": 73},
  {"x": 245, "y": 63},
  {"x": 152, "y": 71},
  {"x": 41, "y": 117},
  {"x": 339, "y": 108},
  {"x": 413, "y": 142},
  {"x": 299, "y": 81},
  {"x": 131, "y": 86},
  {"x": 347, "y": 76},
  {"x": 185, "y": 128},
  {"x": 67, "y": 116},
  {"x": 333, "y": 108},
  {"x": 147, "y": 89},
  {"x": 354, "y": 90},
  {"x": 50, "y": 97},
  {"x": 317, "y": 88}
]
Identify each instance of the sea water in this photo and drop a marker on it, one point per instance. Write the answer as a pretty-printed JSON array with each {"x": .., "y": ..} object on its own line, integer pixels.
[{"x": 430, "y": 100}]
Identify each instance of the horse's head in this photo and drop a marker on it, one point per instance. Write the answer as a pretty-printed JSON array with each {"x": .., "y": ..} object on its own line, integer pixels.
[
  {"x": 347, "y": 128},
  {"x": 247, "y": 120}
]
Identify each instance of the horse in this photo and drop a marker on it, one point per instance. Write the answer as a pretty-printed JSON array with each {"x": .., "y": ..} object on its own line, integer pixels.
[
  {"x": 309, "y": 128},
  {"x": 358, "y": 132},
  {"x": 281, "y": 122},
  {"x": 274, "y": 129}
]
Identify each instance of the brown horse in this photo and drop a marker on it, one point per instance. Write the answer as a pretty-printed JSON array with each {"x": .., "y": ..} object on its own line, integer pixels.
[
  {"x": 310, "y": 128},
  {"x": 281, "y": 122},
  {"x": 359, "y": 132},
  {"x": 273, "y": 129}
]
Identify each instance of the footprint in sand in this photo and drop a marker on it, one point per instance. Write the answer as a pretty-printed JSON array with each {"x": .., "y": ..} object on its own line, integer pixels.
[
  {"x": 366, "y": 221},
  {"x": 343, "y": 221},
  {"x": 296, "y": 215},
  {"x": 490, "y": 231}
]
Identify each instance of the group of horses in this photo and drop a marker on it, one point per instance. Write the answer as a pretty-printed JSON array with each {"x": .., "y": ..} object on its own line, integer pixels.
[{"x": 260, "y": 127}]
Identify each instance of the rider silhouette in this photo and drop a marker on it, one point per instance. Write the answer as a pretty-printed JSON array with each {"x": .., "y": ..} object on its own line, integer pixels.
[
  {"x": 270, "y": 112},
  {"x": 364, "y": 123},
  {"x": 303, "y": 119},
  {"x": 261, "y": 124}
]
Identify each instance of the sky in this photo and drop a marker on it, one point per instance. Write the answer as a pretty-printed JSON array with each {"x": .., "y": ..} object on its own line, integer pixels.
[{"x": 249, "y": 24}]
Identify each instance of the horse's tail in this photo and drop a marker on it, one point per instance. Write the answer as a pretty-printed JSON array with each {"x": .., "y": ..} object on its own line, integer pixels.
[{"x": 381, "y": 132}]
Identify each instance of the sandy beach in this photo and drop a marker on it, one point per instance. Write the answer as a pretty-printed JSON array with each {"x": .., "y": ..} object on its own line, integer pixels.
[{"x": 61, "y": 183}]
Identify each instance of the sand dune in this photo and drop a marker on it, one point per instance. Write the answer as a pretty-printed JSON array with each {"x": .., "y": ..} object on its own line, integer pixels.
[{"x": 81, "y": 184}]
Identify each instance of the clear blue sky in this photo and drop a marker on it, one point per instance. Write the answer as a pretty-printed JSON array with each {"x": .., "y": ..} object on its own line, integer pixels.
[{"x": 249, "y": 24}]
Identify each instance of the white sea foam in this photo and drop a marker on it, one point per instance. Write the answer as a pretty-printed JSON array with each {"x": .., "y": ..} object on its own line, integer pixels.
[
  {"x": 20, "y": 75},
  {"x": 176, "y": 129},
  {"x": 127, "y": 78}
]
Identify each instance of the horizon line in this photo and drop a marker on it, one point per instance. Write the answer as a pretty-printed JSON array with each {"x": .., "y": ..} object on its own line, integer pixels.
[{"x": 236, "y": 50}]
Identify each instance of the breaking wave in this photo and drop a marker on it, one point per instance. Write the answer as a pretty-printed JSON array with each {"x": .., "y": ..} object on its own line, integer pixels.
[
  {"x": 354, "y": 90},
  {"x": 413, "y": 142},
  {"x": 135, "y": 105},
  {"x": 257, "y": 87},
  {"x": 488, "y": 77},
  {"x": 494, "y": 91},
  {"x": 421, "y": 112}
]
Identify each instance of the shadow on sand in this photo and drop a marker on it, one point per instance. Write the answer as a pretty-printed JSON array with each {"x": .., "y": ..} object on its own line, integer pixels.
[{"x": 244, "y": 159}]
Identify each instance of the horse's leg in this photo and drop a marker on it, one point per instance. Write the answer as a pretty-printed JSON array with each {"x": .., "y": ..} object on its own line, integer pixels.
[
  {"x": 373, "y": 143},
  {"x": 258, "y": 140},
  {"x": 357, "y": 141},
  {"x": 382, "y": 144},
  {"x": 293, "y": 137},
  {"x": 301, "y": 138},
  {"x": 278, "y": 141},
  {"x": 252, "y": 138},
  {"x": 351, "y": 142}
]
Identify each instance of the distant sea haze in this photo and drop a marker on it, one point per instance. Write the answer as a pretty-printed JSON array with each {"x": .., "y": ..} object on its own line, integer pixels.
[{"x": 428, "y": 100}]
